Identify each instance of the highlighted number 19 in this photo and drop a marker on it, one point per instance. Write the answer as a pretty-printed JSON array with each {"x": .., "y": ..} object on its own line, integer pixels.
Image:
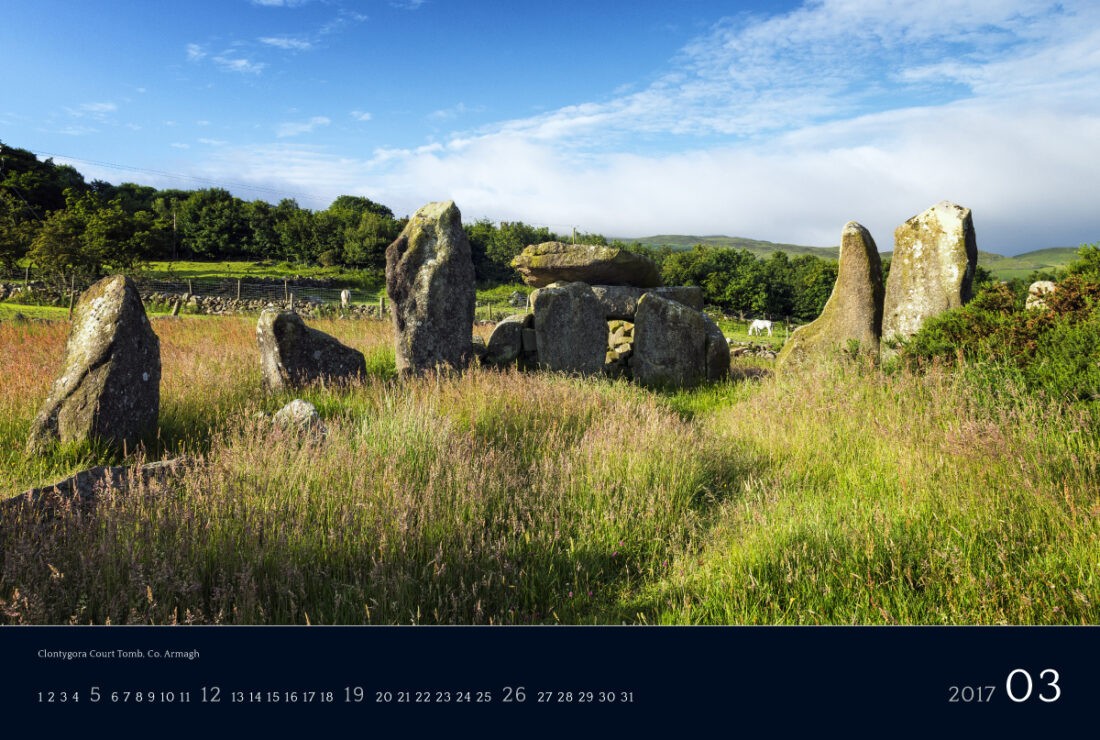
[{"x": 1021, "y": 679}]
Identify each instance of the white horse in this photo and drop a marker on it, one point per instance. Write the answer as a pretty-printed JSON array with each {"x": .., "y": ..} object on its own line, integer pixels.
[{"x": 759, "y": 326}]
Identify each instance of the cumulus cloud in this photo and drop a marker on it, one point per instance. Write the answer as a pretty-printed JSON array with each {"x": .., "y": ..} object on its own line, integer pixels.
[
  {"x": 785, "y": 127},
  {"x": 301, "y": 127}
]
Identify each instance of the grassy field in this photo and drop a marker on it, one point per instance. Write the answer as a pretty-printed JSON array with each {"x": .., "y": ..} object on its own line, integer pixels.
[{"x": 841, "y": 496}]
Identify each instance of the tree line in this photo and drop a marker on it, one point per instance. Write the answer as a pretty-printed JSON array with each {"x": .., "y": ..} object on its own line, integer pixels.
[{"x": 53, "y": 219}]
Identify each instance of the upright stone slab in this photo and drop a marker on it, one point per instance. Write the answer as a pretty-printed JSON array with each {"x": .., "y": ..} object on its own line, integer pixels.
[
  {"x": 549, "y": 262},
  {"x": 935, "y": 254},
  {"x": 670, "y": 344},
  {"x": 506, "y": 342},
  {"x": 109, "y": 386},
  {"x": 716, "y": 352},
  {"x": 293, "y": 354},
  {"x": 430, "y": 282},
  {"x": 621, "y": 301},
  {"x": 570, "y": 329},
  {"x": 853, "y": 314}
]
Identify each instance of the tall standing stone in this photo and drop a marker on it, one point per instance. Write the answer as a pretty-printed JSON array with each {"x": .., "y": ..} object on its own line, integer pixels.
[
  {"x": 293, "y": 354},
  {"x": 670, "y": 344},
  {"x": 109, "y": 386},
  {"x": 853, "y": 313},
  {"x": 570, "y": 329},
  {"x": 932, "y": 269},
  {"x": 430, "y": 282}
]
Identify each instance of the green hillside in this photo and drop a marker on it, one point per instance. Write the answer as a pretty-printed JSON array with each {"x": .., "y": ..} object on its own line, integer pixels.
[
  {"x": 1022, "y": 265},
  {"x": 1002, "y": 267},
  {"x": 756, "y": 246}
]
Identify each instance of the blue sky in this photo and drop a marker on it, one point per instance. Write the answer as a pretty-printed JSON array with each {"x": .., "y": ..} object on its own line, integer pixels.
[{"x": 777, "y": 121}]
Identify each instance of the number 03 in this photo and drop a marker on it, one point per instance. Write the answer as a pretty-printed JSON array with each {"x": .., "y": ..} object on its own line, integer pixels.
[{"x": 1052, "y": 682}]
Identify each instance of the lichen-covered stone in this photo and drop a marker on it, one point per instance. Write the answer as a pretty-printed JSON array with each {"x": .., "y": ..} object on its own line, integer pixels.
[
  {"x": 293, "y": 355},
  {"x": 621, "y": 301},
  {"x": 716, "y": 351},
  {"x": 506, "y": 342},
  {"x": 1037, "y": 294},
  {"x": 935, "y": 254},
  {"x": 430, "y": 282},
  {"x": 670, "y": 344},
  {"x": 852, "y": 316},
  {"x": 299, "y": 416},
  {"x": 549, "y": 262},
  {"x": 109, "y": 386},
  {"x": 570, "y": 329}
]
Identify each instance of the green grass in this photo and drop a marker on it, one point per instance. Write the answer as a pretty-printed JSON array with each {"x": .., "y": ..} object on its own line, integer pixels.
[
  {"x": 10, "y": 311},
  {"x": 196, "y": 270},
  {"x": 837, "y": 495}
]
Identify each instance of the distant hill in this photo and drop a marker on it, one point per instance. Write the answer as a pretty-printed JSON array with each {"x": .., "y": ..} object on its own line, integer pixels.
[
  {"x": 1022, "y": 265},
  {"x": 756, "y": 246},
  {"x": 1003, "y": 268}
]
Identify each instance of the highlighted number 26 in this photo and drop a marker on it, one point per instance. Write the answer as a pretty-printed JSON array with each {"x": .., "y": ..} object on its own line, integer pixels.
[{"x": 1021, "y": 679}]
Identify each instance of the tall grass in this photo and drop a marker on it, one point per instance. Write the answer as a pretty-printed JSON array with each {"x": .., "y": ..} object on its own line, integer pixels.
[
  {"x": 915, "y": 499},
  {"x": 839, "y": 496}
]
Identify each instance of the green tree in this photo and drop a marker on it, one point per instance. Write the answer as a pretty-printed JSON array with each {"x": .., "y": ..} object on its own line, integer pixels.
[
  {"x": 213, "y": 225},
  {"x": 1087, "y": 263}
]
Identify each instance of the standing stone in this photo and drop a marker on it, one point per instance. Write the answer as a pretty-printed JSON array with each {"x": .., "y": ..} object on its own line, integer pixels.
[
  {"x": 853, "y": 313},
  {"x": 345, "y": 298},
  {"x": 935, "y": 254},
  {"x": 670, "y": 344},
  {"x": 109, "y": 386},
  {"x": 549, "y": 262},
  {"x": 570, "y": 329},
  {"x": 293, "y": 354},
  {"x": 716, "y": 351},
  {"x": 506, "y": 342},
  {"x": 430, "y": 281}
]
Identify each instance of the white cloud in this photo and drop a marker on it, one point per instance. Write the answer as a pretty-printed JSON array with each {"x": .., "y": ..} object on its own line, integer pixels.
[
  {"x": 240, "y": 65},
  {"x": 301, "y": 127},
  {"x": 195, "y": 53},
  {"x": 288, "y": 43},
  {"x": 455, "y": 111},
  {"x": 213, "y": 142},
  {"x": 179, "y": 145},
  {"x": 279, "y": 3},
  {"x": 784, "y": 128},
  {"x": 95, "y": 109},
  {"x": 360, "y": 115}
]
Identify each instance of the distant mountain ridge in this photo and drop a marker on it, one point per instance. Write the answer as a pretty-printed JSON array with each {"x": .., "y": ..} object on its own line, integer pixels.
[{"x": 1002, "y": 267}]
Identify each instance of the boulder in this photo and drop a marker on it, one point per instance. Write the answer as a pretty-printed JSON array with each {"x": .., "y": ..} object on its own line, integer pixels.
[
  {"x": 430, "y": 282},
  {"x": 300, "y": 416},
  {"x": 570, "y": 329},
  {"x": 1037, "y": 294},
  {"x": 506, "y": 342},
  {"x": 542, "y": 264},
  {"x": 518, "y": 299},
  {"x": 621, "y": 301},
  {"x": 109, "y": 385},
  {"x": 670, "y": 344},
  {"x": 293, "y": 354},
  {"x": 932, "y": 269},
  {"x": 853, "y": 314}
]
